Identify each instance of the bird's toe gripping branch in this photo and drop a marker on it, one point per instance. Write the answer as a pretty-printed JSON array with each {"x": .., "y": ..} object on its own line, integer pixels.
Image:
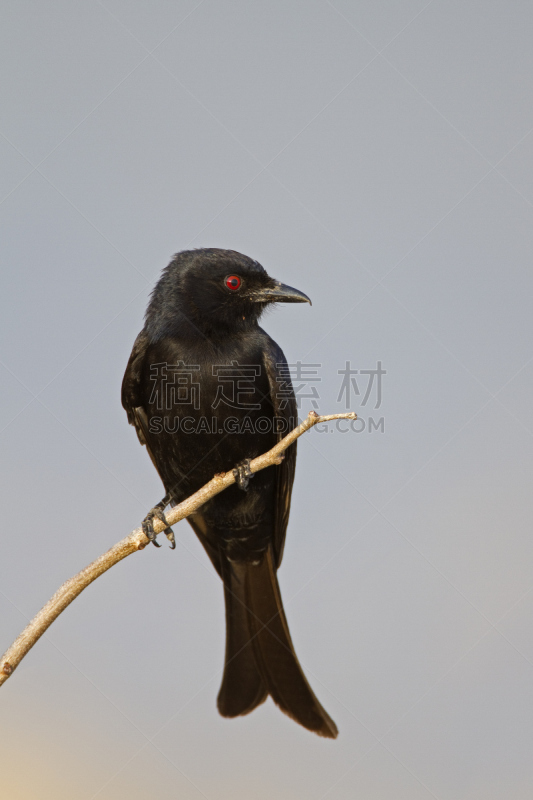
[
  {"x": 157, "y": 512},
  {"x": 242, "y": 474}
]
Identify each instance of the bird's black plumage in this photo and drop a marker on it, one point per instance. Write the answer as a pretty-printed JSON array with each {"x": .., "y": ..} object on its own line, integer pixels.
[{"x": 199, "y": 328}]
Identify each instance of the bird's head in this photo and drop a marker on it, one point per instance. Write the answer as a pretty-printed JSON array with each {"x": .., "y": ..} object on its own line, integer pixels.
[{"x": 213, "y": 291}]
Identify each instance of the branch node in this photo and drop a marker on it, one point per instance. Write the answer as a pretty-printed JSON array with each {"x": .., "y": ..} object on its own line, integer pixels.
[{"x": 7, "y": 669}]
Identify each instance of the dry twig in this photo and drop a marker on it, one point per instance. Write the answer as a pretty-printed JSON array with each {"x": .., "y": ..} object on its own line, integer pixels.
[{"x": 138, "y": 541}]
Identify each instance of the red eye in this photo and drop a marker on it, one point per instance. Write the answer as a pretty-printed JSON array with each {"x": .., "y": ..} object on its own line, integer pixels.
[{"x": 233, "y": 282}]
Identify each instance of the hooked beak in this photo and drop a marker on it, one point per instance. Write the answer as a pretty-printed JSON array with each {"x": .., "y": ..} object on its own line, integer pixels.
[{"x": 280, "y": 293}]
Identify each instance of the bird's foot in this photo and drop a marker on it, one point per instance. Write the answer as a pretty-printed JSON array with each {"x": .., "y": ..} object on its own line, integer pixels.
[
  {"x": 157, "y": 512},
  {"x": 242, "y": 474}
]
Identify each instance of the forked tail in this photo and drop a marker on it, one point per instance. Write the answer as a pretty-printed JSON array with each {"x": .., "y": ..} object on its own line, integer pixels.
[{"x": 260, "y": 657}]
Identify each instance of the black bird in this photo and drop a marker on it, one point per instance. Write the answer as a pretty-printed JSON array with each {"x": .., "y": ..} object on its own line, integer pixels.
[{"x": 201, "y": 341}]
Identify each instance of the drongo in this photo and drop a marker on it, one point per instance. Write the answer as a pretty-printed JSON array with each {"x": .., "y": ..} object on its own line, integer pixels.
[{"x": 200, "y": 363}]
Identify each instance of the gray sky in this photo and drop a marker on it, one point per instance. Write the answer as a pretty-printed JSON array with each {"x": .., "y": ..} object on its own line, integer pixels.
[{"x": 379, "y": 157}]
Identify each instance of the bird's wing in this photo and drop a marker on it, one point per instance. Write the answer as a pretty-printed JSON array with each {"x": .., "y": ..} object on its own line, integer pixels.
[
  {"x": 285, "y": 410},
  {"x": 132, "y": 395},
  {"x": 132, "y": 392},
  {"x": 133, "y": 401}
]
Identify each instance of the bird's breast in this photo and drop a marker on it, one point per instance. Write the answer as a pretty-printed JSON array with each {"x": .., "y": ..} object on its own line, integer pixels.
[{"x": 207, "y": 409}]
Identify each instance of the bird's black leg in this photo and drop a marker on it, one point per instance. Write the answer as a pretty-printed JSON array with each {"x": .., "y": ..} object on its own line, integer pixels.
[
  {"x": 242, "y": 474},
  {"x": 157, "y": 512}
]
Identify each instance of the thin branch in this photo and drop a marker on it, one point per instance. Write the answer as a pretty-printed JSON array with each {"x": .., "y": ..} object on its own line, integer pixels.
[{"x": 138, "y": 541}]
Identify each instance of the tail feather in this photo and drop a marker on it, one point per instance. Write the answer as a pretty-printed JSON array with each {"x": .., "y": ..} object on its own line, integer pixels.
[
  {"x": 259, "y": 652},
  {"x": 242, "y": 687}
]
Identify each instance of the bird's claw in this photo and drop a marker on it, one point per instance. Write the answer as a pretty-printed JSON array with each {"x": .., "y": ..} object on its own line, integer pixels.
[
  {"x": 242, "y": 474},
  {"x": 169, "y": 533},
  {"x": 148, "y": 525}
]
